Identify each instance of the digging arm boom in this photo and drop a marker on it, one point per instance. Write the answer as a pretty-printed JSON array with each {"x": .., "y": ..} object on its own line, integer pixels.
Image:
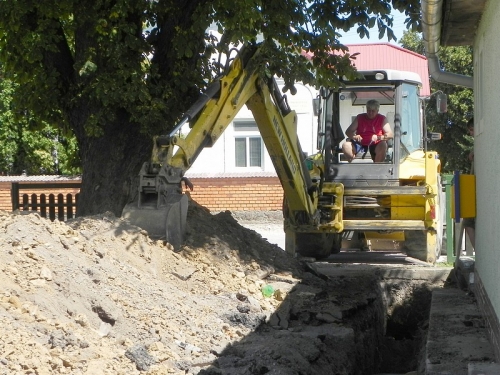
[{"x": 244, "y": 83}]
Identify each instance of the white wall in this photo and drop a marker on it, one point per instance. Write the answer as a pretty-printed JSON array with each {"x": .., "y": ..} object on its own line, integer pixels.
[
  {"x": 220, "y": 158},
  {"x": 486, "y": 144}
]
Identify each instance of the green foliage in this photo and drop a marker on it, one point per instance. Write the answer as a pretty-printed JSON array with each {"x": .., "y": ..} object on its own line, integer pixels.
[
  {"x": 456, "y": 144},
  {"x": 115, "y": 73},
  {"x": 31, "y": 146},
  {"x": 150, "y": 59}
]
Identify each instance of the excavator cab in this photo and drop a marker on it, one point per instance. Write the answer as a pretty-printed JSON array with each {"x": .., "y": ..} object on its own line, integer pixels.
[
  {"x": 399, "y": 101},
  {"x": 397, "y": 201}
]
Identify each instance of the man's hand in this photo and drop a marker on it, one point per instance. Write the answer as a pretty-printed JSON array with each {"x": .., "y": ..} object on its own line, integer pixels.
[
  {"x": 357, "y": 138},
  {"x": 374, "y": 138}
]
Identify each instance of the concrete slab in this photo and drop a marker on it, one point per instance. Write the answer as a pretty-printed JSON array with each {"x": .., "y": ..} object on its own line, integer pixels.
[
  {"x": 384, "y": 271},
  {"x": 484, "y": 368},
  {"x": 457, "y": 335},
  {"x": 464, "y": 268}
]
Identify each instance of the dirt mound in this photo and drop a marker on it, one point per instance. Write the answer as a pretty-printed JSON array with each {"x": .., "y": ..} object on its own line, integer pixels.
[{"x": 96, "y": 295}]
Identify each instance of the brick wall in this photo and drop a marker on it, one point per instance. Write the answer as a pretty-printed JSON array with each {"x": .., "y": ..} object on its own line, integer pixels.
[
  {"x": 238, "y": 194},
  {"x": 5, "y": 201},
  {"x": 217, "y": 194},
  {"x": 491, "y": 319}
]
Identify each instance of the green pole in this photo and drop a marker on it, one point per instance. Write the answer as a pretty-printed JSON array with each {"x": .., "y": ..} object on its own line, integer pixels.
[{"x": 450, "y": 224}]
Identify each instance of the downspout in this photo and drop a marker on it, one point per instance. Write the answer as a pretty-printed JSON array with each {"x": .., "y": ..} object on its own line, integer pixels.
[{"x": 432, "y": 14}]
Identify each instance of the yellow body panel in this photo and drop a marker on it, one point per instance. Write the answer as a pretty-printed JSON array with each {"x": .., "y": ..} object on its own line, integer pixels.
[
  {"x": 467, "y": 196},
  {"x": 394, "y": 236},
  {"x": 407, "y": 213},
  {"x": 413, "y": 167}
]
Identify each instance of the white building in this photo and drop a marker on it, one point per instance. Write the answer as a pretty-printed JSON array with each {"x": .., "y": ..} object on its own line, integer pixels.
[{"x": 240, "y": 150}]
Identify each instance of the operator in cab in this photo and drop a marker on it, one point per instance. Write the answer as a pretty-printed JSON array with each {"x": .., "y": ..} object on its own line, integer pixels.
[{"x": 368, "y": 132}]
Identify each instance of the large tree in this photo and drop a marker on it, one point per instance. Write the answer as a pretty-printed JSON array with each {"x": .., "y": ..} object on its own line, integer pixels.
[
  {"x": 456, "y": 144},
  {"x": 116, "y": 72}
]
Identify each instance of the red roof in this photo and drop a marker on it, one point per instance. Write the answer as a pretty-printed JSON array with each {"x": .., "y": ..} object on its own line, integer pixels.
[{"x": 389, "y": 56}]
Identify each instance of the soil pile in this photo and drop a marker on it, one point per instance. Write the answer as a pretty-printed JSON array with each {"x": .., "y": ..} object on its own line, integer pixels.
[{"x": 96, "y": 295}]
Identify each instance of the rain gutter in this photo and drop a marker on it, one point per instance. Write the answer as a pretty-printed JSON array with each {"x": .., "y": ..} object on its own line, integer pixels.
[{"x": 432, "y": 14}]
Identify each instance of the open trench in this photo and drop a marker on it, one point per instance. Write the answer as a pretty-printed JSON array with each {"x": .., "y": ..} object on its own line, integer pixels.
[
  {"x": 406, "y": 308},
  {"x": 344, "y": 325},
  {"x": 388, "y": 318},
  {"x": 351, "y": 321}
]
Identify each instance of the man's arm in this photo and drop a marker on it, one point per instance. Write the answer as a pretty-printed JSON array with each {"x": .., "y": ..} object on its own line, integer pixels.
[
  {"x": 388, "y": 130},
  {"x": 351, "y": 131}
]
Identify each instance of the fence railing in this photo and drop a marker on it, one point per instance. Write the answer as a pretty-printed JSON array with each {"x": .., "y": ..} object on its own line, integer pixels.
[{"x": 60, "y": 206}]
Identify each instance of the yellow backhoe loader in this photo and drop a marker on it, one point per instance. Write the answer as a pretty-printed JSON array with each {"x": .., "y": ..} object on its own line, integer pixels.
[{"x": 326, "y": 198}]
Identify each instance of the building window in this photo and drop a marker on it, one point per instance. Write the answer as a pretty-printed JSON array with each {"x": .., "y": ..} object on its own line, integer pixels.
[{"x": 247, "y": 144}]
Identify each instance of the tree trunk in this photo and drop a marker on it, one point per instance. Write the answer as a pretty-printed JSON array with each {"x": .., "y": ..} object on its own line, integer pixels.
[{"x": 111, "y": 164}]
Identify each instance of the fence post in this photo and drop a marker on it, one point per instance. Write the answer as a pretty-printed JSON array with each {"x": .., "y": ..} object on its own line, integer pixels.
[
  {"x": 43, "y": 205},
  {"x": 34, "y": 202},
  {"x": 69, "y": 204},
  {"x": 52, "y": 207},
  {"x": 26, "y": 201},
  {"x": 60, "y": 207},
  {"x": 14, "y": 195}
]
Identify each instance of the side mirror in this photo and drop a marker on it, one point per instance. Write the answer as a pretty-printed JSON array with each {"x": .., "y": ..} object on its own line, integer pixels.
[
  {"x": 434, "y": 136},
  {"x": 441, "y": 103},
  {"x": 316, "y": 104}
]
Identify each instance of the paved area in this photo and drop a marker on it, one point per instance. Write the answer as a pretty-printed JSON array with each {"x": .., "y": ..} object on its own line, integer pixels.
[{"x": 457, "y": 340}]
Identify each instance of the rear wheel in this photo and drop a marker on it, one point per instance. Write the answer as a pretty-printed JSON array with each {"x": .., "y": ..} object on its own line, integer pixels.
[
  {"x": 337, "y": 243},
  {"x": 316, "y": 245},
  {"x": 422, "y": 245},
  {"x": 427, "y": 245}
]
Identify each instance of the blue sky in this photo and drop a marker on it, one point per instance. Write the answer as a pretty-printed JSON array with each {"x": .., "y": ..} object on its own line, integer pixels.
[{"x": 352, "y": 37}]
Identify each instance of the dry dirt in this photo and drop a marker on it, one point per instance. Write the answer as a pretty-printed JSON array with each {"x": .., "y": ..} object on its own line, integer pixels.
[{"x": 96, "y": 295}]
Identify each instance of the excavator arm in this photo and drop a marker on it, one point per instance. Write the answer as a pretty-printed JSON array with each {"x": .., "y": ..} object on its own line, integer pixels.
[{"x": 160, "y": 207}]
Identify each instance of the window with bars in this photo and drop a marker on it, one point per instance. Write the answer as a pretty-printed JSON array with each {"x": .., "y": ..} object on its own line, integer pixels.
[{"x": 247, "y": 144}]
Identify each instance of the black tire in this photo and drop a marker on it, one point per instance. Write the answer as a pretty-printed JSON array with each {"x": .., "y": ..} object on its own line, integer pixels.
[
  {"x": 416, "y": 242},
  {"x": 316, "y": 245},
  {"x": 417, "y": 246},
  {"x": 337, "y": 243}
]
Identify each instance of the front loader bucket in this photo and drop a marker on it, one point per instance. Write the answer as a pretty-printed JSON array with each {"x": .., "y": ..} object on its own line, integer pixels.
[{"x": 166, "y": 222}]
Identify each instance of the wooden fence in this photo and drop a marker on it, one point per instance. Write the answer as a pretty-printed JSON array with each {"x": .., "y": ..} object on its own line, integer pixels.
[
  {"x": 60, "y": 206},
  {"x": 57, "y": 199}
]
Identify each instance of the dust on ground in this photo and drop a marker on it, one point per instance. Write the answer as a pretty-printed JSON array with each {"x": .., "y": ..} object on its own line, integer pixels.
[{"x": 96, "y": 295}]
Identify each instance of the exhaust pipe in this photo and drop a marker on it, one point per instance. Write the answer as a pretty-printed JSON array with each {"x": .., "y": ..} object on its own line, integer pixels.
[{"x": 431, "y": 34}]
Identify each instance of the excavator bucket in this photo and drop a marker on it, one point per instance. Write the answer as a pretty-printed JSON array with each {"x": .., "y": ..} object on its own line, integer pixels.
[{"x": 167, "y": 221}]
